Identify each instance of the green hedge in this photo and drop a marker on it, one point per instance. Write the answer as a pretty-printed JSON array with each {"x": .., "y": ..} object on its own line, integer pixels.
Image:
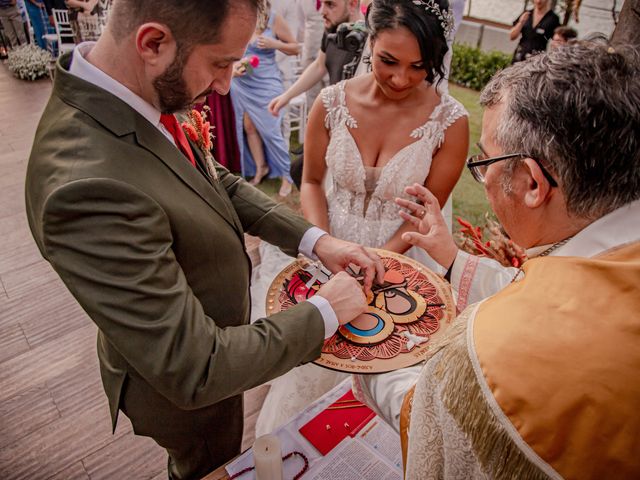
[{"x": 473, "y": 68}]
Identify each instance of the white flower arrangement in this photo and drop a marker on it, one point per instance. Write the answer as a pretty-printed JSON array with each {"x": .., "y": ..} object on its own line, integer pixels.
[{"x": 29, "y": 62}]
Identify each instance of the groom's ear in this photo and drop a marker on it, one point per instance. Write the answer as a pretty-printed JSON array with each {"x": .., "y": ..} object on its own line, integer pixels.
[{"x": 156, "y": 46}]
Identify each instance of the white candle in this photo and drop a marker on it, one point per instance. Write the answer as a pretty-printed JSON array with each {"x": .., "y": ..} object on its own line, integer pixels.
[{"x": 267, "y": 456}]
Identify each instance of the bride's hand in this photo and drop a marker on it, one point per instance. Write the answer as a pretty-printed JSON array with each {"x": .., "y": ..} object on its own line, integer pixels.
[
  {"x": 337, "y": 255},
  {"x": 432, "y": 234}
]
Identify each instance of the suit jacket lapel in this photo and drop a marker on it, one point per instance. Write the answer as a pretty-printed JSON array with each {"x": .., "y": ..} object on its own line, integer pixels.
[
  {"x": 151, "y": 139},
  {"x": 121, "y": 120},
  {"x": 199, "y": 156}
]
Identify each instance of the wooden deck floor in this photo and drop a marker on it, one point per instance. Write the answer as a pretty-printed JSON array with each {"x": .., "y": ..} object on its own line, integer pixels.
[{"x": 54, "y": 419}]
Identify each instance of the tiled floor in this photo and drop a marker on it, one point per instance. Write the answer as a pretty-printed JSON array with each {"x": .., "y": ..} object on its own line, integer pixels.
[{"x": 54, "y": 419}]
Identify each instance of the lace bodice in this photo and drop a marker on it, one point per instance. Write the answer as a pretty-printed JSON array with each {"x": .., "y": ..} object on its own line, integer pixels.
[{"x": 361, "y": 199}]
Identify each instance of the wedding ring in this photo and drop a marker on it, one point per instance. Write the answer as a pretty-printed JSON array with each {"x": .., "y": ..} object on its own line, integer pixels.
[{"x": 421, "y": 214}]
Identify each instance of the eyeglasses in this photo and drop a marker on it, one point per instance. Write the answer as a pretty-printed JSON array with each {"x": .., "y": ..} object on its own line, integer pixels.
[{"x": 477, "y": 165}]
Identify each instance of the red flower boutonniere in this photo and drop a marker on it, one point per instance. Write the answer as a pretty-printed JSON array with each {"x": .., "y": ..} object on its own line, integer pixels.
[{"x": 198, "y": 129}]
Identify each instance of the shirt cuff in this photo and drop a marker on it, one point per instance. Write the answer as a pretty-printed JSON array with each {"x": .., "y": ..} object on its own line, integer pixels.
[
  {"x": 308, "y": 242},
  {"x": 328, "y": 315}
]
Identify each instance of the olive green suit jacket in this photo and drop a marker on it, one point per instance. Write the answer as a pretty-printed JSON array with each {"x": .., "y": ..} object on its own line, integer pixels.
[{"x": 153, "y": 250}]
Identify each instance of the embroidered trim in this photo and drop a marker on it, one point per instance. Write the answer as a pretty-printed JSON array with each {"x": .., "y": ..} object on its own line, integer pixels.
[
  {"x": 335, "y": 103},
  {"x": 466, "y": 280},
  {"x": 513, "y": 433}
]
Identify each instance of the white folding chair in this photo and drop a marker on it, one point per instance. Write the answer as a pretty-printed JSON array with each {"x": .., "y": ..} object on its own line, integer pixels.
[
  {"x": 64, "y": 33},
  {"x": 297, "y": 66},
  {"x": 25, "y": 17},
  {"x": 298, "y": 115}
]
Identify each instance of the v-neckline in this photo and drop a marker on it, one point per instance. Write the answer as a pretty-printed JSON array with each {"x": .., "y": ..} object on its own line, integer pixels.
[
  {"x": 534, "y": 27},
  {"x": 361, "y": 166}
]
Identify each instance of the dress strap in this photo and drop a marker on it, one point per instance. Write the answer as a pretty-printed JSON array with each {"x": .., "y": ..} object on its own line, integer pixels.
[
  {"x": 334, "y": 101},
  {"x": 443, "y": 116},
  {"x": 272, "y": 18}
]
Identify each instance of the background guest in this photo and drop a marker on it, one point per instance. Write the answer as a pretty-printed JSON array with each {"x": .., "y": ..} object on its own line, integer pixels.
[
  {"x": 251, "y": 91},
  {"x": 287, "y": 64},
  {"x": 535, "y": 28},
  {"x": 312, "y": 30},
  {"x": 39, "y": 21},
  {"x": 563, "y": 35},
  {"x": 12, "y": 23},
  {"x": 89, "y": 17},
  {"x": 330, "y": 61}
]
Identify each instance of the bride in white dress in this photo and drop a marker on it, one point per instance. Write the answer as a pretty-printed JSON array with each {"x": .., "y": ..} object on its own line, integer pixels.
[{"x": 367, "y": 139}]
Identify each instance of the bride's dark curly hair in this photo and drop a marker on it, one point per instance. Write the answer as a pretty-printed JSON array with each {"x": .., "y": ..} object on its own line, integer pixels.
[{"x": 424, "y": 24}]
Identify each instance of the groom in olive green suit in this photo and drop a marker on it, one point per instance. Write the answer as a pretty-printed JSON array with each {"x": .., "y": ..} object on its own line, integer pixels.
[{"x": 152, "y": 246}]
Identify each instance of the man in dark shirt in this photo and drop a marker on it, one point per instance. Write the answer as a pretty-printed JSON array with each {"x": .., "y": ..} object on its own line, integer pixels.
[{"x": 337, "y": 58}]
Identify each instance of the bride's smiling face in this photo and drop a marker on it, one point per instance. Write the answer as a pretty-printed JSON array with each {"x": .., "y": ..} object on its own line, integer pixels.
[{"x": 397, "y": 63}]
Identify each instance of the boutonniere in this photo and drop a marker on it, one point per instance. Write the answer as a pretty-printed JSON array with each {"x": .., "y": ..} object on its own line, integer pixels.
[{"x": 198, "y": 129}]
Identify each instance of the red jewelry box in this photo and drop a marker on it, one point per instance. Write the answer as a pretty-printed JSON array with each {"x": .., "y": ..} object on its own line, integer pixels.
[{"x": 346, "y": 416}]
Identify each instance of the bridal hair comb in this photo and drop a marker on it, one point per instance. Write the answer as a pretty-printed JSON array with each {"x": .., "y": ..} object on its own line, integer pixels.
[{"x": 444, "y": 15}]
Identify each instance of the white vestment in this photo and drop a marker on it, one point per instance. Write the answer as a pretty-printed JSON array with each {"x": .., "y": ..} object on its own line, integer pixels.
[{"x": 474, "y": 279}]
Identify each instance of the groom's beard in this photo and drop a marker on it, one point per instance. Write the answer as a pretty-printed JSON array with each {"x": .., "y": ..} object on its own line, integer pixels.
[{"x": 171, "y": 88}]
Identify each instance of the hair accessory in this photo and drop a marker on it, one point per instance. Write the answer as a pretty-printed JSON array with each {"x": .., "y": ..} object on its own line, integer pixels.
[{"x": 444, "y": 15}]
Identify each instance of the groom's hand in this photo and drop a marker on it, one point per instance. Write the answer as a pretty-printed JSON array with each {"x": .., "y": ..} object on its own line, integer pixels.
[
  {"x": 345, "y": 295},
  {"x": 337, "y": 255}
]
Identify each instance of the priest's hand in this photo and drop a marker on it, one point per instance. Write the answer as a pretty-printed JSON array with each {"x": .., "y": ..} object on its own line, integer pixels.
[
  {"x": 337, "y": 255},
  {"x": 345, "y": 295},
  {"x": 432, "y": 233}
]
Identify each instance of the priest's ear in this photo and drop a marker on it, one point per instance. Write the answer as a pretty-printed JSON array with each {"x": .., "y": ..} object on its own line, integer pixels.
[
  {"x": 539, "y": 185},
  {"x": 156, "y": 45}
]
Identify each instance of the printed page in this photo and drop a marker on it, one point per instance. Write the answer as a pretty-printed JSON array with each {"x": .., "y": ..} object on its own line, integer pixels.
[
  {"x": 353, "y": 460},
  {"x": 384, "y": 440}
]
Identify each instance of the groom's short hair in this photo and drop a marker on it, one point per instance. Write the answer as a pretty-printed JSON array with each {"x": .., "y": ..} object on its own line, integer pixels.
[{"x": 192, "y": 22}]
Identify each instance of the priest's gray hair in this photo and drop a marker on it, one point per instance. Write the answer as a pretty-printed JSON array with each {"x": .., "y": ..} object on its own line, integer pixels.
[{"x": 576, "y": 110}]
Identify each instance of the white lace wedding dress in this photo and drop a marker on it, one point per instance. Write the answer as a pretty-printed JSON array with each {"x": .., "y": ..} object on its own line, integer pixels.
[{"x": 362, "y": 210}]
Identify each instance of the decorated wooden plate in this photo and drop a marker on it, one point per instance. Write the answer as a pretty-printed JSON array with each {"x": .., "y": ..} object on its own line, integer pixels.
[{"x": 405, "y": 314}]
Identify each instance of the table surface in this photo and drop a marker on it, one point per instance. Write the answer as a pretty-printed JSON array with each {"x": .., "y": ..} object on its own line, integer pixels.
[{"x": 218, "y": 474}]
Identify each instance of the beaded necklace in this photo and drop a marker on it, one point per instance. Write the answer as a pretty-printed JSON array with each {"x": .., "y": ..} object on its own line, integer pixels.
[{"x": 544, "y": 254}]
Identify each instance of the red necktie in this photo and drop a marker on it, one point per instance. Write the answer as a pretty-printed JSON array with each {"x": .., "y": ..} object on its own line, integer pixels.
[{"x": 171, "y": 124}]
